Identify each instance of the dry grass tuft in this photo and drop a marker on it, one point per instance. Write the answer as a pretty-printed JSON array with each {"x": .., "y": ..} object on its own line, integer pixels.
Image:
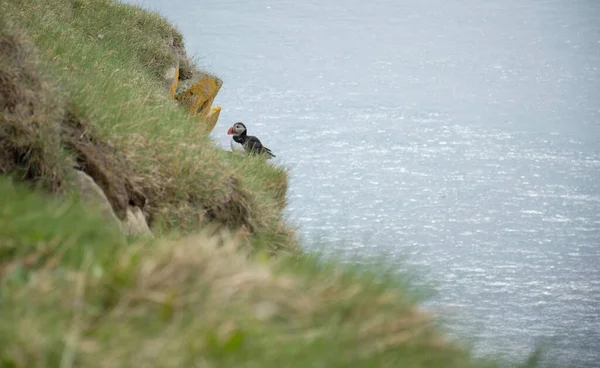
[
  {"x": 31, "y": 109},
  {"x": 203, "y": 300}
]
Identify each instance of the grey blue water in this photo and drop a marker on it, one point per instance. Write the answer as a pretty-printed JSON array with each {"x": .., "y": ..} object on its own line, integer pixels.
[{"x": 461, "y": 137}]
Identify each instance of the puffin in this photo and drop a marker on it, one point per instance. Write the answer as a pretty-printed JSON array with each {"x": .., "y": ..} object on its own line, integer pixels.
[{"x": 242, "y": 142}]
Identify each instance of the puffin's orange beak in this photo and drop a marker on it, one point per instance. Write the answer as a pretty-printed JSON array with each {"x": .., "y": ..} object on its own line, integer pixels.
[{"x": 230, "y": 131}]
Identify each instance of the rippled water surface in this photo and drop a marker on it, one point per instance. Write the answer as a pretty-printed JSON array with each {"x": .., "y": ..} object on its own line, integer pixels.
[{"x": 464, "y": 135}]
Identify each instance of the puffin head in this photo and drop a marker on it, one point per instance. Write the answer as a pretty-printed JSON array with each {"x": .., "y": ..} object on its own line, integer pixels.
[{"x": 237, "y": 129}]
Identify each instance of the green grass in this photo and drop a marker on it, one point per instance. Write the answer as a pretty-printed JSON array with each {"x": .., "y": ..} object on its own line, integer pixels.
[{"x": 74, "y": 292}]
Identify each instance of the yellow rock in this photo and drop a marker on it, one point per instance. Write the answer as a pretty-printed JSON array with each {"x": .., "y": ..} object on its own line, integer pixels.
[
  {"x": 174, "y": 83},
  {"x": 171, "y": 77},
  {"x": 198, "y": 99},
  {"x": 212, "y": 117}
]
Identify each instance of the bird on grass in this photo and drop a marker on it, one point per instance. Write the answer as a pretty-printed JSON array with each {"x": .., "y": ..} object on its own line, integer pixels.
[{"x": 242, "y": 142}]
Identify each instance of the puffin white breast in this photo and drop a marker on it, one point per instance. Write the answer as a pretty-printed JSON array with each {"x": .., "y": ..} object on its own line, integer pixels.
[{"x": 236, "y": 147}]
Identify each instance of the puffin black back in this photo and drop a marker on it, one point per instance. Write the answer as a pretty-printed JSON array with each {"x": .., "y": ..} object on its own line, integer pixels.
[{"x": 242, "y": 142}]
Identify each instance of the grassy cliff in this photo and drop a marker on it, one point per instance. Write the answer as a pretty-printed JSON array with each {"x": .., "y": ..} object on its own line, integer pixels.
[
  {"x": 223, "y": 283},
  {"x": 100, "y": 102}
]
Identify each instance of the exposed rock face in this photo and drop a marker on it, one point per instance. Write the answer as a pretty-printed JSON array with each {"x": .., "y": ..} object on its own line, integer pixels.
[
  {"x": 104, "y": 165},
  {"x": 92, "y": 194},
  {"x": 195, "y": 90},
  {"x": 135, "y": 223},
  {"x": 171, "y": 77},
  {"x": 186, "y": 71},
  {"x": 212, "y": 117},
  {"x": 103, "y": 178},
  {"x": 197, "y": 97}
]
